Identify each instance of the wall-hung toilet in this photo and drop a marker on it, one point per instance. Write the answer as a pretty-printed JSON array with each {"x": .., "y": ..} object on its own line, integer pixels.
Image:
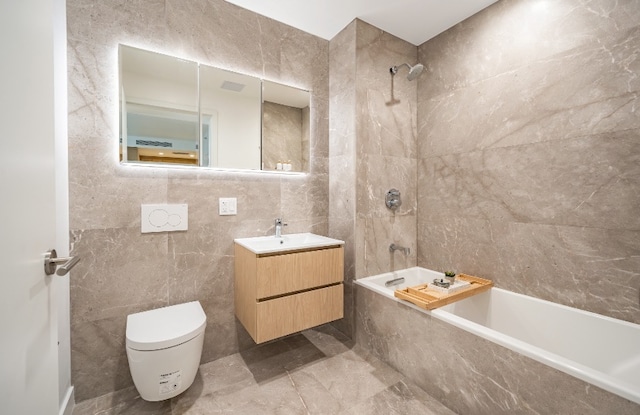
[{"x": 164, "y": 347}]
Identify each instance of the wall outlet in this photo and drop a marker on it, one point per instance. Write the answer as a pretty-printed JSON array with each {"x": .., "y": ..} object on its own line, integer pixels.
[{"x": 228, "y": 206}]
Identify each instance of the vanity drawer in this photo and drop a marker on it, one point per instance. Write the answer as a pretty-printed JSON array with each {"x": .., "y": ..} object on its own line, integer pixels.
[
  {"x": 285, "y": 315},
  {"x": 298, "y": 271}
]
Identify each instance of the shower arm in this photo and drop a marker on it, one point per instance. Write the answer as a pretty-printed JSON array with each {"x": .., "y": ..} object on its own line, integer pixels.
[{"x": 394, "y": 69}]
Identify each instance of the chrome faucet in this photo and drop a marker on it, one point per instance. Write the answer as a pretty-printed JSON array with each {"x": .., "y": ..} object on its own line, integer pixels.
[
  {"x": 394, "y": 247},
  {"x": 279, "y": 226}
]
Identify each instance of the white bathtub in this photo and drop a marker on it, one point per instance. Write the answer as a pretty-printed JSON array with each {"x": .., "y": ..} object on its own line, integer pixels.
[{"x": 600, "y": 350}]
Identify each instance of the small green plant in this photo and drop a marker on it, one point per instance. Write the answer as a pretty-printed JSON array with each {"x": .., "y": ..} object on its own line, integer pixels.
[{"x": 449, "y": 274}]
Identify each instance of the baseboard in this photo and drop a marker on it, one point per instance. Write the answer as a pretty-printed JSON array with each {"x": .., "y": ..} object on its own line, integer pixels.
[{"x": 66, "y": 407}]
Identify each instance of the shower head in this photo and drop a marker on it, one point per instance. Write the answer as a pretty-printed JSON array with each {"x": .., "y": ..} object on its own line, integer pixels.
[{"x": 414, "y": 71}]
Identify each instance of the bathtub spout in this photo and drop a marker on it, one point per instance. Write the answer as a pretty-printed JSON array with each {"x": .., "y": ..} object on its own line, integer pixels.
[
  {"x": 394, "y": 247},
  {"x": 394, "y": 281}
]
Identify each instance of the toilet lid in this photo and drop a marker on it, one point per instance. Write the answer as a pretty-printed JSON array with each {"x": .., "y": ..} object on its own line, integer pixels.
[{"x": 165, "y": 327}]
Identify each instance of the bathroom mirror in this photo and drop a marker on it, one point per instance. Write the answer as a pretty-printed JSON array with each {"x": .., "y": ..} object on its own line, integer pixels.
[
  {"x": 158, "y": 108},
  {"x": 175, "y": 111}
]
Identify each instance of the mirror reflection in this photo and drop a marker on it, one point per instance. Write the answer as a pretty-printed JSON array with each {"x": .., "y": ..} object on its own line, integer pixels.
[
  {"x": 159, "y": 108},
  {"x": 230, "y": 111},
  {"x": 178, "y": 111},
  {"x": 285, "y": 127}
]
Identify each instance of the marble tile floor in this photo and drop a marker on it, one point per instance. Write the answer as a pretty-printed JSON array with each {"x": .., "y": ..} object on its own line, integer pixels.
[{"x": 319, "y": 371}]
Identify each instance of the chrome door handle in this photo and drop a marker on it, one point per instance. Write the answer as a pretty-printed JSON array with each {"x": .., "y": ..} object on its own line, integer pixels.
[{"x": 51, "y": 262}]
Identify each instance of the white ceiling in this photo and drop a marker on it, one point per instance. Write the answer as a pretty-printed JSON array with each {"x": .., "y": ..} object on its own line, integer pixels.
[{"x": 415, "y": 21}]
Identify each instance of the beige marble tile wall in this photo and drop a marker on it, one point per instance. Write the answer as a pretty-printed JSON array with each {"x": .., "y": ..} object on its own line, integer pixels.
[
  {"x": 342, "y": 157},
  {"x": 372, "y": 149},
  {"x": 469, "y": 374},
  {"x": 123, "y": 271},
  {"x": 529, "y": 148},
  {"x": 386, "y": 151}
]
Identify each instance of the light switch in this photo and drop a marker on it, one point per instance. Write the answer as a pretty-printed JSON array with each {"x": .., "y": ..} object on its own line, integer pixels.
[
  {"x": 228, "y": 206},
  {"x": 164, "y": 218}
]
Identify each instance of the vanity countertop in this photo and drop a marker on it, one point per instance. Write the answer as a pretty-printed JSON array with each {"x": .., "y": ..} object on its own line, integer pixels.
[{"x": 290, "y": 242}]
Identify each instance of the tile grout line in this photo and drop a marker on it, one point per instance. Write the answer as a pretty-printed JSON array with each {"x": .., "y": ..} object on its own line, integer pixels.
[{"x": 298, "y": 393}]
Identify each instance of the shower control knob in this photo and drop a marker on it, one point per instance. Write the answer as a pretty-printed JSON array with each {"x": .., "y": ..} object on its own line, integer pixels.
[{"x": 392, "y": 200}]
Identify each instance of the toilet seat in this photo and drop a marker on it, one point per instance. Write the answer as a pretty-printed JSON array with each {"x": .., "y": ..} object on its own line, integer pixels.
[{"x": 165, "y": 327}]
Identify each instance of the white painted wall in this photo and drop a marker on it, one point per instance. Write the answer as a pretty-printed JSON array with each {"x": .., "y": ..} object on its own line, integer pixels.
[
  {"x": 161, "y": 92},
  {"x": 238, "y": 128}
]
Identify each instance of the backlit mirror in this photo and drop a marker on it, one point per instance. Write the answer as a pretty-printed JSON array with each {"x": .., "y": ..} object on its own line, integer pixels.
[
  {"x": 175, "y": 111},
  {"x": 158, "y": 108}
]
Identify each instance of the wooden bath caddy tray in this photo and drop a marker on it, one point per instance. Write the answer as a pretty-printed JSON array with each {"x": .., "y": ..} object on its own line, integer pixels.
[{"x": 422, "y": 296}]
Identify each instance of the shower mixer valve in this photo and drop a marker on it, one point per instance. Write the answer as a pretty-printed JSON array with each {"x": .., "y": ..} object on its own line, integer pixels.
[{"x": 392, "y": 200}]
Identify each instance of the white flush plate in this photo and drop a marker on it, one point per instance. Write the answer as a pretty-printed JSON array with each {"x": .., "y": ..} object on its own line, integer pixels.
[{"x": 164, "y": 218}]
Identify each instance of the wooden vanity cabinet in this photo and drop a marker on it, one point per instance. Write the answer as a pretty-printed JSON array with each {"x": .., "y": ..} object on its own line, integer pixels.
[{"x": 281, "y": 293}]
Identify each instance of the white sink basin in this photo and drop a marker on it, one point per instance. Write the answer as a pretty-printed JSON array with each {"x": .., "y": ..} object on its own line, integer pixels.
[{"x": 290, "y": 242}]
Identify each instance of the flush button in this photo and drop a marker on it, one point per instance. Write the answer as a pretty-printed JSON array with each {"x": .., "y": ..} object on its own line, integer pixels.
[{"x": 164, "y": 218}]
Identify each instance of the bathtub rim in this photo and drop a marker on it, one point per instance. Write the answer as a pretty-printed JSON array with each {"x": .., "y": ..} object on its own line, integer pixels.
[{"x": 577, "y": 370}]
